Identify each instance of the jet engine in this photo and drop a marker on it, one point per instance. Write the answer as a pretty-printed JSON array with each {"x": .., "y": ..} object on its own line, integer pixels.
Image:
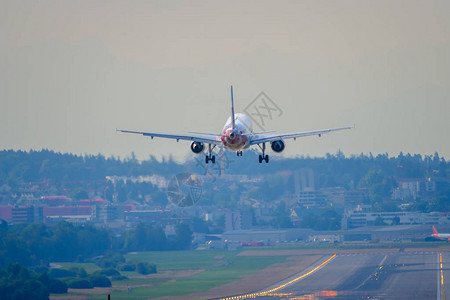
[
  {"x": 197, "y": 147},
  {"x": 277, "y": 146}
]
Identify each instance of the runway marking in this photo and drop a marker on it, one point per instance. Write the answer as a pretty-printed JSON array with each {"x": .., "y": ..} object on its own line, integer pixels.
[
  {"x": 268, "y": 292},
  {"x": 380, "y": 266},
  {"x": 389, "y": 252},
  {"x": 382, "y": 261},
  {"x": 440, "y": 284}
]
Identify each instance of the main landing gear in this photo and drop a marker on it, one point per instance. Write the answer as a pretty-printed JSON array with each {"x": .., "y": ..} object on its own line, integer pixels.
[
  {"x": 263, "y": 156},
  {"x": 209, "y": 157}
]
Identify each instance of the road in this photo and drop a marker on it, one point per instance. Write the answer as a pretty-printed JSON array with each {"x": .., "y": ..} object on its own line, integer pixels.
[{"x": 386, "y": 275}]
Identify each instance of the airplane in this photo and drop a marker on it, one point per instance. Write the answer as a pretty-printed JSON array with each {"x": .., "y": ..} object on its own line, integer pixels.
[
  {"x": 440, "y": 236},
  {"x": 237, "y": 135}
]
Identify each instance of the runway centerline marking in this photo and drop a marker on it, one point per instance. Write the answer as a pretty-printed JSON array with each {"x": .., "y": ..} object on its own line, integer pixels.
[
  {"x": 382, "y": 261},
  {"x": 268, "y": 292},
  {"x": 380, "y": 265},
  {"x": 440, "y": 284}
]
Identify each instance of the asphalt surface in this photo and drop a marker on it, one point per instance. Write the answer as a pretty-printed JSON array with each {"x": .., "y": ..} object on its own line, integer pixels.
[{"x": 411, "y": 275}]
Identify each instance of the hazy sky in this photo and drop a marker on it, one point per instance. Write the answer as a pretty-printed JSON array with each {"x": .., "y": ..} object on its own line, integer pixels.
[{"x": 74, "y": 71}]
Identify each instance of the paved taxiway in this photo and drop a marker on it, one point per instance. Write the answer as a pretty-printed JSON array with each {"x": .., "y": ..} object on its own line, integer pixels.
[{"x": 386, "y": 275}]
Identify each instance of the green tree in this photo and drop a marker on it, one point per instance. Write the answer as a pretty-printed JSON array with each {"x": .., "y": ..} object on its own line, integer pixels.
[
  {"x": 200, "y": 225},
  {"x": 145, "y": 268},
  {"x": 396, "y": 220},
  {"x": 379, "y": 221},
  {"x": 17, "y": 283},
  {"x": 144, "y": 237},
  {"x": 182, "y": 239},
  {"x": 99, "y": 281},
  {"x": 80, "y": 284},
  {"x": 327, "y": 219},
  {"x": 79, "y": 194}
]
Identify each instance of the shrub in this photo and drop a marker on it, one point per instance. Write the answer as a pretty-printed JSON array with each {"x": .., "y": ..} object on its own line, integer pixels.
[
  {"x": 80, "y": 284},
  {"x": 108, "y": 272},
  {"x": 99, "y": 281},
  {"x": 128, "y": 267},
  {"x": 119, "y": 277},
  {"x": 145, "y": 268},
  {"x": 80, "y": 272},
  {"x": 40, "y": 269},
  {"x": 57, "y": 286},
  {"x": 59, "y": 273},
  {"x": 110, "y": 261},
  {"x": 24, "y": 289}
]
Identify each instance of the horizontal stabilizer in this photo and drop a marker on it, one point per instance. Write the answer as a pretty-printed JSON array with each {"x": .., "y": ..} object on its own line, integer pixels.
[
  {"x": 205, "y": 133},
  {"x": 263, "y": 132}
]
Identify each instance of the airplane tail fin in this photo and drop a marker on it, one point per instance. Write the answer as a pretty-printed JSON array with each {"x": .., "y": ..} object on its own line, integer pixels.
[
  {"x": 435, "y": 232},
  {"x": 233, "y": 124}
]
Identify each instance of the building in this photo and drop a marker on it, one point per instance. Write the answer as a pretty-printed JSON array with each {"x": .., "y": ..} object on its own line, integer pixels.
[
  {"x": 109, "y": 213},
  {"x": 55, "y": 200},
  {"x": 420, "y": 187},
  {"x": 324, "y": 238},
  {"x": 238, "y": 220},
  {"x": 305, "y": 190},
  {"x": 6, "y": 212},
  {"x": 161, "y": 217},
  {"x": 361, "y": 219},
  {"x": 248, "y": 236},
  {"x": 27, "y": 215},
  {"x": 304, "y": 180}
]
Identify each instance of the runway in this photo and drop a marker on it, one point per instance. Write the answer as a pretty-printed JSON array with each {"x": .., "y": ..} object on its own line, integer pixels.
[{"x": 386, "y": 275}]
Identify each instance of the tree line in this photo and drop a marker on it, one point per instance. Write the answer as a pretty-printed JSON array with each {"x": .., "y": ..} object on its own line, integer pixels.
[
  {"x": 39, "y": 244},
  {"x": 21, "y": 167}
]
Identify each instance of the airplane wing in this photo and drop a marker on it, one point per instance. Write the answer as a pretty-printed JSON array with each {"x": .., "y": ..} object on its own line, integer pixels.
[
  {"x": 258, "y": 139},
  {"x": 204, "y": 138}
]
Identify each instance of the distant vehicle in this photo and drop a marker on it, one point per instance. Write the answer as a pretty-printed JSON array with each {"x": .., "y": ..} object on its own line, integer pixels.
[
  {"x": 236, "y": 135},
  {"x": 440, "y": 236}
]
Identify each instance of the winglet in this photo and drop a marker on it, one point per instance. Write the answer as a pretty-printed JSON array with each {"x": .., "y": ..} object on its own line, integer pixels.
[{"x": 232, "y": 110}]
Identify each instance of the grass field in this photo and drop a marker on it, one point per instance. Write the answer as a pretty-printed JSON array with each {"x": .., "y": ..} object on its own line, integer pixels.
[
  {"x": 89, "y": 267},
  {"x": 177, "y": 260},
  {"x": 182, "y": 272},
  {"x": 219, "y": 267}
]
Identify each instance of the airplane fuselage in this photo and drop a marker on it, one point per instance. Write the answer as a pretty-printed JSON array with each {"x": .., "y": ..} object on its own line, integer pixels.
[
  {"x": 238, "y": 138},
  {"x": 440, "y": 236}
]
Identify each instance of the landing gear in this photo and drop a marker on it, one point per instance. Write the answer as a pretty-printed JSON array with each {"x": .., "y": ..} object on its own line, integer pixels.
[
  {"x": 239, "y": 153},
  {"x": 263, "y": 156},
  {"x": 209, "y": 157}
]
